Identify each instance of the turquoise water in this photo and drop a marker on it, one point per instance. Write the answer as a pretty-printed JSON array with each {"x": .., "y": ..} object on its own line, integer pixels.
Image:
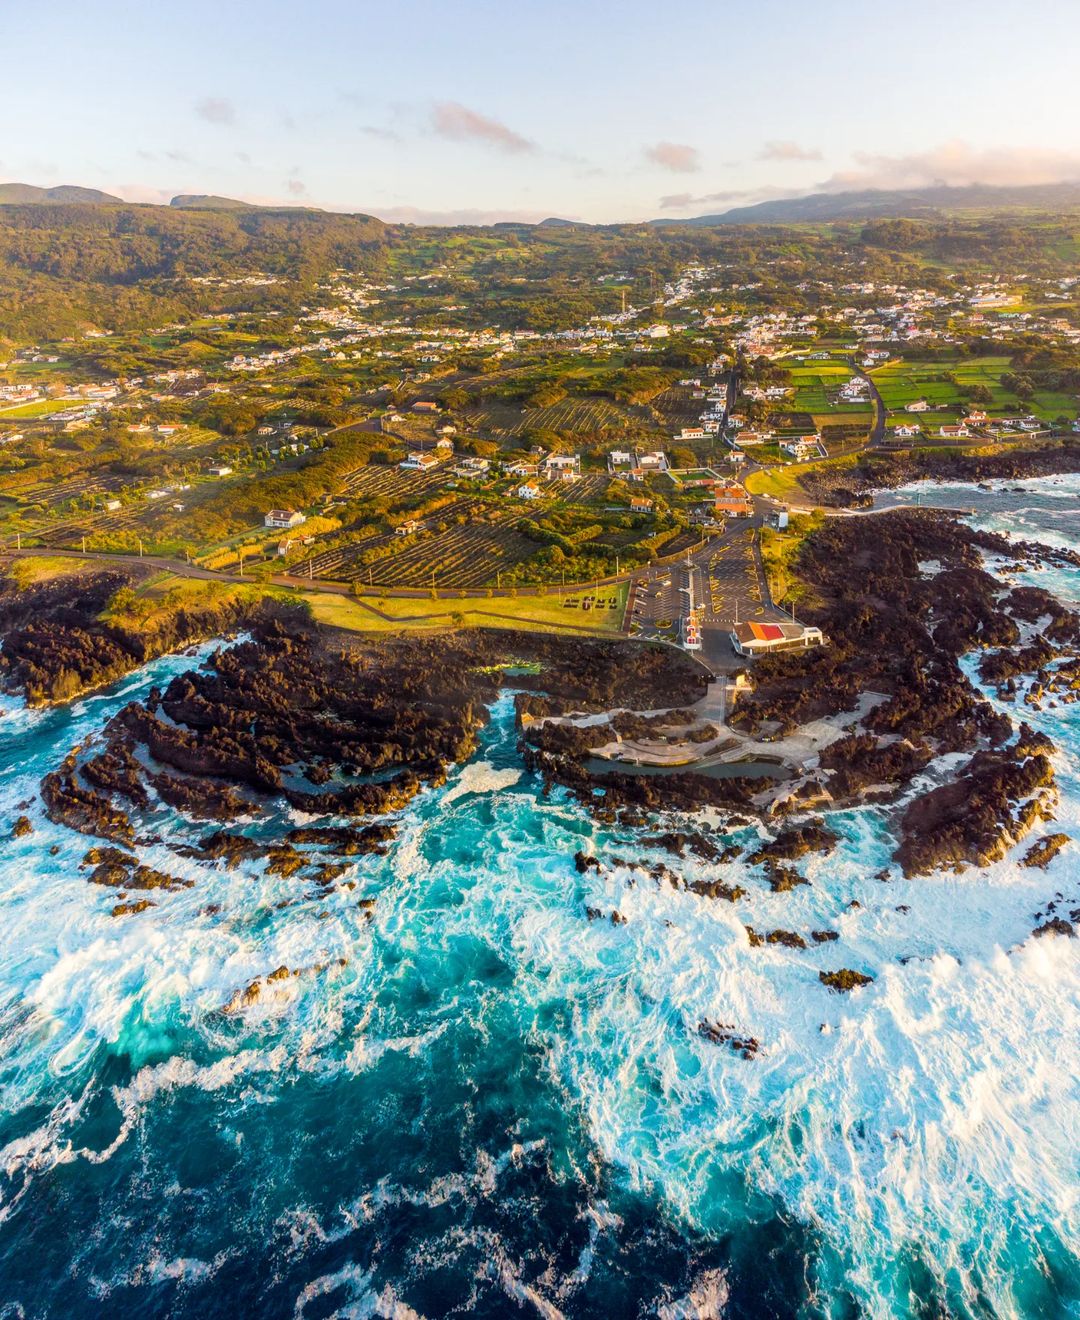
[{"x": 497, "y": 1107}]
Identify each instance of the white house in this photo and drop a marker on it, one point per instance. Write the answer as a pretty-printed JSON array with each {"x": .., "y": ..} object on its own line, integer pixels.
[
  {"x": 751, "y": 639},
  {"x": 654, "y": 462},
  {"x": 529, "y": 491},
  {"x": 473, "y": 467},
  {"x": 564, "y": 466},
  {"x": 283, "y": 518},
  {"x": 418, "y": 462}
]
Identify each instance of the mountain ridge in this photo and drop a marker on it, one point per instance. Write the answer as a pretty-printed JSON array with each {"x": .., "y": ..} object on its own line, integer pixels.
[
  {"x": 67, "y": 194},
  {"x": 892, "y": 203}
]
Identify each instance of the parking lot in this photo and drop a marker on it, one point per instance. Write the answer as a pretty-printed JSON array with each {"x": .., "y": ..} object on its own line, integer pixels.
[
  {"x": 728, "y": 584},
  {"x": 735, "y": 580}
]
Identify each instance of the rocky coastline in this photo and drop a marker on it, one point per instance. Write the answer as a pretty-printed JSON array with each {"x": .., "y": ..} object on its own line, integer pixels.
[
  {"x": 341, "y": 728},
  {"x": 901, "y": 599},
  {"x": 59, "y": 643},
  {"x": 334, "y": 727},
  {"x": 853, "y": 486}
]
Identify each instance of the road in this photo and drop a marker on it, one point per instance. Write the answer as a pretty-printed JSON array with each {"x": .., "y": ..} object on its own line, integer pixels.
[{"x": 877, "y": 431}]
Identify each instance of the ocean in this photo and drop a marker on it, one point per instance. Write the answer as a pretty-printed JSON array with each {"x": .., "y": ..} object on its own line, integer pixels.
[{"x": 473, "y": 1100}]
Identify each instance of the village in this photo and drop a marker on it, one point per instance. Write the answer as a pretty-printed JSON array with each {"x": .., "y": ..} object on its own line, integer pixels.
[{"x": 626, "y": 469}]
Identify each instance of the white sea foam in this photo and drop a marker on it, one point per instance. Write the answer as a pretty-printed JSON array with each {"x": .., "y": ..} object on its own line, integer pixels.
[
  {"x": 480, "y": 777},
  {"x": 359, "y": 1301},
  {"x": 707, "y": 1300}
]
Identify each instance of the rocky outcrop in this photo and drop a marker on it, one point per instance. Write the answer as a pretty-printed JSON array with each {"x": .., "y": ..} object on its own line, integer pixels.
[
  {"x": 723, "y": 1033},
  {"x": 894, "y": 631},
  {"x": 795, "y": 842},
  {"x": 202, "y": 799},
  {"x": 121, "y": 870},
  {"x": 790, "y": 939},
  {"x": 844, "y": 980},
  {"x": 59, "y": 642},
  {"x": 1043, "y": 851},
  {"x": 131, "y": 909},
  {"x": 68, "y": 802},
  {"x": 783, "y": 879},
  {"x": 850, "y": 486},
  {"x": 973, "y": 821},
  {"x": 347, "y": 841},
  {"x": 1055, "y": 926}
]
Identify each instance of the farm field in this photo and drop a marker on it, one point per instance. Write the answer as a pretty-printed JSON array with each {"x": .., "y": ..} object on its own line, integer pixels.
[
  {"x": 677, "y": 407},
  {"x": 851, "y": 415},
  {"x": 816, "y": 385},
  {"x": 905, "y": 382}
]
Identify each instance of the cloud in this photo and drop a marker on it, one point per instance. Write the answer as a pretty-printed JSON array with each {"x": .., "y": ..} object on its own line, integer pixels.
[
  {"x": 296, "y": 187},
  {"x": 450, "y": 119},
  {"x": 957, "y": 164},
  {"x": 382, "y": 134},
  {"x": 787, "y": 150},
  {"x": 216, "y": 110},
  {"x": 674, "y": 156},
  {"x": 680, "y": 201}
]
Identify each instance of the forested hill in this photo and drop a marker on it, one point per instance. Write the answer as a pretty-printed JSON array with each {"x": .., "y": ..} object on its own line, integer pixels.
[
  {"x": 63, "y": 267},
  {"x": 68, "y": 268}
]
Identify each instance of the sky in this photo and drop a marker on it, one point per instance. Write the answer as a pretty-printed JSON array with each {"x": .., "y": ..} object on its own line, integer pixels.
[{"x": 469, "y": 111}]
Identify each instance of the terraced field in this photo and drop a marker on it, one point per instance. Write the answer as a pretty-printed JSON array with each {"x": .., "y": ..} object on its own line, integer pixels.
[
  {"x": 582, "y": 490},
  {"x": 469, "y": 556},
  {"x": 466, "y": 554},
  {"x": 382, "y": 479},
  {"x": 587, "y": 416},
  {"x": 71, "y": 532},
  {"x": 677, "y": 407},
  {"x": 53, "y": 494}
]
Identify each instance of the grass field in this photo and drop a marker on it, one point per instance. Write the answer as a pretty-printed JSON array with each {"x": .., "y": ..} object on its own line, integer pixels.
[
  {"x": 783, "y": 483},
  {"x": 779, "y": 551},
  {"x": 42, "y": 568},
  {"x": 533, "y": 613},
  {"x": 816, "y": 384},
  {"x": 39, "y": 408},
  {"x": 162, "y": 595}
]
